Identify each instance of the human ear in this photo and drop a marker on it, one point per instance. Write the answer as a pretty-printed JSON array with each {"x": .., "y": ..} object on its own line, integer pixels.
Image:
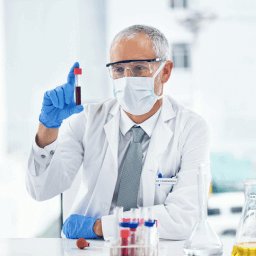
[{"x": 166, "y": 72}]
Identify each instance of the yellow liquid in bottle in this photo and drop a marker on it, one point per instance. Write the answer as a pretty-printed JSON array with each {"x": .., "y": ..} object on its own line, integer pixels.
[{"x": 244, "y": 249}]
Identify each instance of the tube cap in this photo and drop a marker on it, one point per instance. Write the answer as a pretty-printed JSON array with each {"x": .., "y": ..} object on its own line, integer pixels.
[
  {"x": 133, "y": 224},
  {"x": 149, "y": 223},
  {"x": 125, "y": 233},
  {"x": 77, "y": 71},
  {"x": 124, "y": 224}
]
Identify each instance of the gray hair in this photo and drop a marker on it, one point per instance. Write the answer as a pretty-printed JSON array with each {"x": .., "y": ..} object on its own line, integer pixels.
[{"x": 159, "y": 41}]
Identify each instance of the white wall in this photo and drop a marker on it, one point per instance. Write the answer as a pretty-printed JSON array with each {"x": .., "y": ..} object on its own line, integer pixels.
[
  {"x": 221, "y": 83},
  {"x": 227, "y": 66},
  {"x": 2, "y": 87},
  {"x": 42, "y": 41}
]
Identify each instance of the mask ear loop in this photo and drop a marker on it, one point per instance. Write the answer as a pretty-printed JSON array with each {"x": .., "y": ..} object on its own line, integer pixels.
[
  {"x": 154, "y": 76},
  {"x": 159, "y": 69}
]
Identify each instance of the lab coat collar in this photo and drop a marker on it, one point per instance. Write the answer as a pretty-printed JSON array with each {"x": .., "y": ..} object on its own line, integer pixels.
[
  {"x": 148, "y": 125},
  {"x": 167, "y": 112},
  {"x": 125, "y": 122},
  {"x": 115, "y": 108}
]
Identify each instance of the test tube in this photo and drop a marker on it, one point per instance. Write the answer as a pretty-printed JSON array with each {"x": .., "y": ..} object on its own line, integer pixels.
[
  {"x": 156, "y": 237},
  {"x": 135, "y": 215},
  {"x": 119, "y": 218},
  {"x": 143, "y": 212},
  {"x": 77, "y": 73},
  {"x": 149, "y": 239},
  {"x": 116, "y": 241},
  {"x": 151, "y": 214},
  {"x": 124, "y": 233},
  {"x": 133, "y": 228}
]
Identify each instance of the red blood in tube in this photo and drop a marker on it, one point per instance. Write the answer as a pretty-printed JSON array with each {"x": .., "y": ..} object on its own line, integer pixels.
[
  {"x": 78, "y": 95},
  {"x": 133, "y": 240},
  {"x": 124, "y": 235}
]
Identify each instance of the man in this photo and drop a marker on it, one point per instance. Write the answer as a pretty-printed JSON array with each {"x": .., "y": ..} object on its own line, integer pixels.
[{"x": 124, "y": 144}]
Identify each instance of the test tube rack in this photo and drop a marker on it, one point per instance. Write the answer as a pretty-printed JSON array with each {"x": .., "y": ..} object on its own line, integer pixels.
[{"x": 135, "y": 249}]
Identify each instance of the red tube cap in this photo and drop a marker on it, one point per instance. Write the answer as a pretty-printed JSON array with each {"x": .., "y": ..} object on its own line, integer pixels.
[
  {"x": 77, "y": 71},
  {"x": 125, "y": 233}
]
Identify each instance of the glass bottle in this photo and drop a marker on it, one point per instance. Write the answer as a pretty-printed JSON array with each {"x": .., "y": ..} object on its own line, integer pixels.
[
  {"x": 203, "y": 239},
  {"x": 245, "y": 242}
]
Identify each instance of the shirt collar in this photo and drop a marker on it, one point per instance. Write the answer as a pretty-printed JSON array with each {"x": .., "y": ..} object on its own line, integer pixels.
[{"x": 148, "y": 125}]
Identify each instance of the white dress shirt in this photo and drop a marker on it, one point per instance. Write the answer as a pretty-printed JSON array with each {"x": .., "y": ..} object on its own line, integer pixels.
[{"x": 125, "y": 138}]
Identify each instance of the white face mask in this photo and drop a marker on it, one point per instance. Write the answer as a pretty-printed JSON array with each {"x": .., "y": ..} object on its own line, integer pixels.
[{"x": 136, "y": 94}]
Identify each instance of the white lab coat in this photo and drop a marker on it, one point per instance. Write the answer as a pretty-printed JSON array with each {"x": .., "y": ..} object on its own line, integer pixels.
[{"x": 179, "y": 141}]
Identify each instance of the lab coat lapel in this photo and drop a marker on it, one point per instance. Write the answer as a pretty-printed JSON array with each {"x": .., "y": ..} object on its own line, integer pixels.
[
  {"x": 112, "y": 132},
  {"x": 106, "y": 182},
  {"x": 160, "y": 138}
]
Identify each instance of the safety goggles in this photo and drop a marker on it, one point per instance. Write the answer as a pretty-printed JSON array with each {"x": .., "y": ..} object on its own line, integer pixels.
[{"x": 138, "y": 68}]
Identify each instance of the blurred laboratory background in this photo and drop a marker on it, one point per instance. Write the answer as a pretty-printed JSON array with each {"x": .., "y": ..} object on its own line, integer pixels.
[{"x": 213, "y": 50}]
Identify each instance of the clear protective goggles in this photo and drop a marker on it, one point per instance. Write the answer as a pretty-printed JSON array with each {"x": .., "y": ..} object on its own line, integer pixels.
[{"x": 138, "y": 68}]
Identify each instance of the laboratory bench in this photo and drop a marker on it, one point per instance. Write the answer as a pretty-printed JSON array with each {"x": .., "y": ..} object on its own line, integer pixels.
[{"x": 64, "y": 246}]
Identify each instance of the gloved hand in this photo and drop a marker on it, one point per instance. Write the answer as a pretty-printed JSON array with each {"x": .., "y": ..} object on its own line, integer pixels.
[
  {"x": 77, "y": 226},
  {"x": 59, "y": 104}
]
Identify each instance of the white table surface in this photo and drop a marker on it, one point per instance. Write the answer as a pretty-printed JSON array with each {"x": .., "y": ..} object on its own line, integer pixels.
[{"x": 63, "y": 246}]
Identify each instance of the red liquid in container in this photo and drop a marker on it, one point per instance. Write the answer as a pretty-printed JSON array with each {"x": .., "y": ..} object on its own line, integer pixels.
[
  {"x": 124, "y": 250},
  {"x": 124, "y": 236},
  {"x": 133, "y": 242},
  {"x": 78, "y": 95}
]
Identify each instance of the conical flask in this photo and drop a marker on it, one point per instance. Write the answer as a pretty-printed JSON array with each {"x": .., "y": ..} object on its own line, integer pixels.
[
  {"x": 245, "y": 242},
  {"x": 203, "y": 240}
]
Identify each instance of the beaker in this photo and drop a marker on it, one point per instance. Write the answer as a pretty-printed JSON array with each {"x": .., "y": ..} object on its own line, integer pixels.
[
  {"x": 245, "y": 241},
  {"x": 203, "y": 240}
]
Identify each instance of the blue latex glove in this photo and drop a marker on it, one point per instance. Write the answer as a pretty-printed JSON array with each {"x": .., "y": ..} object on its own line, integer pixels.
[
  {"x": 59, "y": 104},
  {"x": 77, "y": 226}
]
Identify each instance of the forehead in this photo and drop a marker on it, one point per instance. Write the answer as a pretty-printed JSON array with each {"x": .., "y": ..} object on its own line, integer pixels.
[{"x": 139, "y": 47}]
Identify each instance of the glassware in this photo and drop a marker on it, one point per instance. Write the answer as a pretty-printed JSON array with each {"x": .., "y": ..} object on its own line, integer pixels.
[
  {"x": 203, "y": 239},
  {"x": 245, "y": 242},
  {"x": 77, "y": 73},
  {"x": 116, "y": 240},
  {"x": 135, "y": 215}
]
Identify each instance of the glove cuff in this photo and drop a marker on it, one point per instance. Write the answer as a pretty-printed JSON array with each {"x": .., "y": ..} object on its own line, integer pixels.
[
  {"x": 93, "y": 234},
  {"x": 52, "y": 126},
  {"x": 77, "y": 226}
]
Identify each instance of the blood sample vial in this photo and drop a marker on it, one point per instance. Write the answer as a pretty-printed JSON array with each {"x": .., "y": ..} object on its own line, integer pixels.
[
  {"x": 124, "y": 241},
  {"x": 77, "y": 73}
]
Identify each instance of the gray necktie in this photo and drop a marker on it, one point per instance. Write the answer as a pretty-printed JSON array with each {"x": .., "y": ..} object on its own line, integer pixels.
[{"x": 130, "y": 176}]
